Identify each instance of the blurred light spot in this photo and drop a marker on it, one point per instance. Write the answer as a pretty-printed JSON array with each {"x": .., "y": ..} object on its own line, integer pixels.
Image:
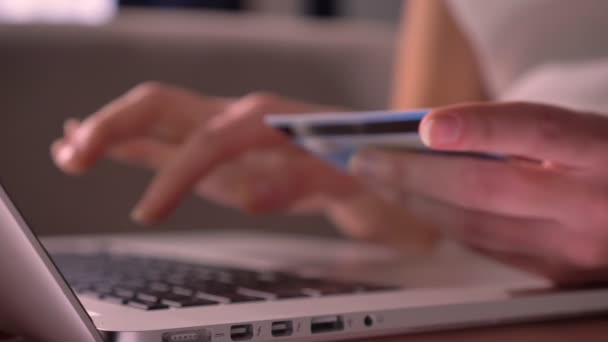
[{"x": 90, "y": 12}]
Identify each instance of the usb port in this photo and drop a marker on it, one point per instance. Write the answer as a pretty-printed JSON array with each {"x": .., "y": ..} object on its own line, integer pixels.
[
  {"x": 241, "y": 332},
  {"x": 284, "y": 328},
  {"x": 326, "y": 324}
]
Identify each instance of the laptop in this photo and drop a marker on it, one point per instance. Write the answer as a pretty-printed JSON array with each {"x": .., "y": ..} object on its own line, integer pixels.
[{"x": 249, "y": 286}]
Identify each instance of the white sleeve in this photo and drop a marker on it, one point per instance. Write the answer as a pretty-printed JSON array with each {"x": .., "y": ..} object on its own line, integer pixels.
[{"x": 577, "y": 85}]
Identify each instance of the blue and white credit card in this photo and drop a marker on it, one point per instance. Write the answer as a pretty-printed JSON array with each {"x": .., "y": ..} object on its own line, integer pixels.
[{"x": 335, "y": 137}]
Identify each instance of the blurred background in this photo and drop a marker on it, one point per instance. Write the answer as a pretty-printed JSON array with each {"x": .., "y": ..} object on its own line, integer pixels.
[
  {"x": 100, "y": 10},
  {"x": 66, "y": 58}
]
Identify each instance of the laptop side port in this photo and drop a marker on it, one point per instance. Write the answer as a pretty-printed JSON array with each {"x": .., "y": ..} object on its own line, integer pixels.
[
  {"x": 187, "y": 336},
  {"x": 242, "y": 332},
  {"x": 282, "y": 328},
  {"x": 326, "y": 324}
]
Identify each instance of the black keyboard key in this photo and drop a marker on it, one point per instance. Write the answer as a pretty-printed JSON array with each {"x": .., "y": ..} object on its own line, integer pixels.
[
  {"x": 133, "y": 283},
  {"x": 259, "y": 294},
  {"x": 238, "y": 298},
  {"x": 174, "y": 300},
  {"x": 150, "y": 296},
  {"x": 377, "y": 288},
  {"x": 228, "y": 298},
  {"x": 184, "y": 291},
  {"x": 213, "y": 288},
  {"x": 196, "y": 302},
  {"x": 328, "y": 289},
  {"x": 272, "y": 291},
  {"x": 218, "y": 299},
  {"x": 178, "y": 301},
  {"x": 217, "y": 291},
  {"x": 270, "y": 277},
  {"x": 143, "y": 305},
  {"x": 271, "y": 294},
  {"x": 159, "y": 287},
  {"x": 114, "y": 299},
  {"x": 125, "y": 291},
  {"x": 225, "y": 278}
]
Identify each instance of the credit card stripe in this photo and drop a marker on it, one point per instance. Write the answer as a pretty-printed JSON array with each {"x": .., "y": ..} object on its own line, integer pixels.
[
  {"x": 286, "y": 130},
  {"x": 355, "y": 129},
  {"x": 348, "y": 118}
]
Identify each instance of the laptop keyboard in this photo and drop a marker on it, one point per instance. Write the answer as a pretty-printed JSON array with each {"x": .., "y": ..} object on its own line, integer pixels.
[{"x": 159, "y": 284}]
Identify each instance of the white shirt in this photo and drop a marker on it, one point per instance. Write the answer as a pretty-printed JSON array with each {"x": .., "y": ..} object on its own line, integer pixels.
[{"x": 553, "y": 51}]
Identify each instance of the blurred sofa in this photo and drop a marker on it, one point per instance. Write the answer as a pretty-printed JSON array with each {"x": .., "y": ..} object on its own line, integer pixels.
[{"x": 50, "y": 73}]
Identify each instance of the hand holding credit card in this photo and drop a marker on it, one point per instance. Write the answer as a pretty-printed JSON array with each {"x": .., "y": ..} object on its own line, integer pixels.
[{"x": 335, "y": 137}]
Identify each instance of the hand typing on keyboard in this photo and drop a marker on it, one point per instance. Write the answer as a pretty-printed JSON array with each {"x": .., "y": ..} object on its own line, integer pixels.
[{"x": 221, "y": 149}]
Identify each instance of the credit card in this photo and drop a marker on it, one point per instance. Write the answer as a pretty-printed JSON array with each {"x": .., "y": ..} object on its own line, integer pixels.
[{"x": 335, "y": 137}]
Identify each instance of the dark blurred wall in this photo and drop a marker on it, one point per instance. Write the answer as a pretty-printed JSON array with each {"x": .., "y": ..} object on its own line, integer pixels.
[
  {"x": 215, "y": 4},
  {"x": 317, "y": 8},
  {"x": 384, "y": 10},
  {"x": 322, "y": 8}
]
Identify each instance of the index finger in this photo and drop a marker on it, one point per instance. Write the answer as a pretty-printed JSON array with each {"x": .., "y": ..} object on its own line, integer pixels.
[
  {"x": 132, "y": 116},
  {"x": 523, "y": 129},
  {"x": 207, "y": 148}
]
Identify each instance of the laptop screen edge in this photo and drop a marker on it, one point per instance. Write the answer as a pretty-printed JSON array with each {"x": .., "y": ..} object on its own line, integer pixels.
[{"x": 29, "y": 268}]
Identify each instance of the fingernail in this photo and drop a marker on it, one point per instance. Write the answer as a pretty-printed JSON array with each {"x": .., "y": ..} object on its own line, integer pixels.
[
  {"x": 66, "y": 154},
  {"x": 140, "y": 215},
  {"x": 441, "y": 131},
  {"x": 81, "y": 137},
  {"x": 371, "y": 165}
]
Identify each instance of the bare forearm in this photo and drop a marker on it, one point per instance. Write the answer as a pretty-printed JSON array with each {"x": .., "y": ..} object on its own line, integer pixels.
[{"x": 435, "y": 64}]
